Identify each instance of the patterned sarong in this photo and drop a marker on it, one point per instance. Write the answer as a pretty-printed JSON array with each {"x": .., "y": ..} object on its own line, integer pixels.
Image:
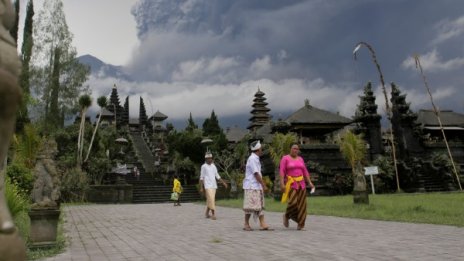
[
  {"x": 210, "y": 198},
  {"x": 296, "y": 208},
  {"x": 253, "y": 202}
]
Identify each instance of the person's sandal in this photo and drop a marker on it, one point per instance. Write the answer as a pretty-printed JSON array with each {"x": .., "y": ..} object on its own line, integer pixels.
[{"x": 213, "y": 217}]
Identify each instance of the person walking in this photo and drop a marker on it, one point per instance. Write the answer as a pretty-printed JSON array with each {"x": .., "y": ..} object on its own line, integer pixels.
[
  {"x": 208, "y": 184},
  {"x": 177, "y": 188},
  {"x": 253, "y": 187},
  {"x": 293, "y": 179}
]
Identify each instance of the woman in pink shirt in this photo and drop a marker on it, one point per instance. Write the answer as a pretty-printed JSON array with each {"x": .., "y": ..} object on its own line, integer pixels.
[{"x": 293, "y": 179}]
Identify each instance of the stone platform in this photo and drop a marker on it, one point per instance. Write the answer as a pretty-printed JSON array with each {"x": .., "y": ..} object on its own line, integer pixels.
[{"x": 165, "y": 232}]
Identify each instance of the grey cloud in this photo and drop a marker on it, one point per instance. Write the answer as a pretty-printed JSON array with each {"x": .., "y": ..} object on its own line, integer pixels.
[{"x": 199, "y": 55}]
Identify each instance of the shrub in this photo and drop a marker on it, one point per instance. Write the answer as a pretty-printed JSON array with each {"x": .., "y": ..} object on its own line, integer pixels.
[
  {"x": 17, "y": 202},
  {"x": 74, "y": 184},
  {"x": 21, "y": 176}
]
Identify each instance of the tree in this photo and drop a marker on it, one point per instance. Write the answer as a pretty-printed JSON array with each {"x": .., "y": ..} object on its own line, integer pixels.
[
  {"x": 280, "y": 146},
  {"x": 225, "y": 160},
  {"x": 26, "y": 53},
  {"x": 191, "y": 124},
  {"x": 211, "y": 125},
  {"x": 58, "y": 75},
  {"x": 353, "y": 149},
  {"x": 102, "y": 102},
  {"x": 84, "y": 102}
]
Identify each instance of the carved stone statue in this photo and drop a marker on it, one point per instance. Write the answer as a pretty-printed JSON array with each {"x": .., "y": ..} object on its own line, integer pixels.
[
  {"x": 11, "y": 245},
  {"x": 46, "y": 192}
]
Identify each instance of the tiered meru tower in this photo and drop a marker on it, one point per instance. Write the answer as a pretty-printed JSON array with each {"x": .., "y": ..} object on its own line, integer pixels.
[
  {"x": 260, "y": 113},
  {"x": 115, "y": 107},
  {"x": 142, "y": 113}
]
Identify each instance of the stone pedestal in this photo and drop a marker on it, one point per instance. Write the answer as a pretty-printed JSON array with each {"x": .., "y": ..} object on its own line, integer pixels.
[
  {"x": 44, "y": 225},
  {"x": 360, "y": 197}
]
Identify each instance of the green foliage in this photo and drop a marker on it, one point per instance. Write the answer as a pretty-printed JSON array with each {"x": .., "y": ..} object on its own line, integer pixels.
[
  {"x": 21, "y": 177},
  {"x": 16, "y": 200},
  {"x": 219, "y": 142},
  {"x": 24, "y": 78},
  {"x": 56, "y": 73},
  {"x": 385, "y": 181},
  {"x": 183, "y": 165},
  {"x": 442, "y": 160},
  {"x": 102, "y": 101},
  {"x": 97, "y": 168},
  {"x": 188, "y": 145},
  {"x": 241, "y": 154},
  {"x": 85, "y": 101},
  {"x": 28, "y": 145},
  {"x": 353, "y": 148},
  {"x": 280, "y": 146},
  {"x": 225, "y": 161},
  {"x": 191, "y": 125},
  {"x": 211, "y": 126},
  {"x": 74, "y": 184}
]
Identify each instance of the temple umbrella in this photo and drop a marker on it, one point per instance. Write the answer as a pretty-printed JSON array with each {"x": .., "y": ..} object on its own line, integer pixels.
[{"x": 122, "y": 140}]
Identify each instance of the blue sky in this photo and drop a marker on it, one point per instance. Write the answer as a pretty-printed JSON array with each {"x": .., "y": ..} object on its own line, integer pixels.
[{"x": 199, "y": 55}]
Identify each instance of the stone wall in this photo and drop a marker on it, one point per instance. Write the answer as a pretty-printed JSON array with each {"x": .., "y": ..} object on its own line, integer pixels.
[{"x": 120, "y": 193}]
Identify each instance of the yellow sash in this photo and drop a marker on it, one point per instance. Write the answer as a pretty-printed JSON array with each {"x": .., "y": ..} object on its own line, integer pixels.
[{"x": 290, "y": 181}]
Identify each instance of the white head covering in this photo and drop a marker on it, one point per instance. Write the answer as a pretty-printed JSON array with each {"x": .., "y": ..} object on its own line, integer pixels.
[
  {"x": 208, "y": 155},
  {"x": 256, "y": 145}
]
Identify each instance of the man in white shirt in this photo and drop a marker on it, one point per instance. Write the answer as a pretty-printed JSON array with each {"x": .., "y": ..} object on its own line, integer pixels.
[
  {"x": 253, "y": 186},
  {"x": 208, "y": 183}
]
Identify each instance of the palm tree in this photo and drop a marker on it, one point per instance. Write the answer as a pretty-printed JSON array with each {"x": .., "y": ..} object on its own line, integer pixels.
[
  {"x": 353, "y": 149},
  {"x": 280, "y": 146},
  {"x": 102, "y": 102},
  {"x": 84, "y": 103}
]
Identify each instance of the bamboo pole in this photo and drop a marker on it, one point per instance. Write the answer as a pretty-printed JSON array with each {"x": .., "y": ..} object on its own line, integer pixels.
[
  {"x": 387, "y": 105},
  {"x": 437, "y": 113}
]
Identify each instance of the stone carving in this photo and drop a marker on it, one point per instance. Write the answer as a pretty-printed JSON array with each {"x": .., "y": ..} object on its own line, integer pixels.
[
  {"x": 10, "y": 95},
  {"x": 46, "y": 191},
  {"x": 11, "y": 245}
]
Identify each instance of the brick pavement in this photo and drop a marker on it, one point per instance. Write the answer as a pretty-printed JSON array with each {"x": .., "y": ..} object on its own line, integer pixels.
[{"x": 164, "y": 232}]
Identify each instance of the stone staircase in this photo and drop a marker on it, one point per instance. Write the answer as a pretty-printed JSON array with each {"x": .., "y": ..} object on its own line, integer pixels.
[
  {"x": 142, "y": 151},
  {"x": 432, "y": 184},
  {"x": 146, "y": 189}
]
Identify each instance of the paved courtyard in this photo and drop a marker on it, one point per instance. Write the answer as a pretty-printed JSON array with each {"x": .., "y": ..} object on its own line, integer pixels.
[{"x": 164, "y": 232}]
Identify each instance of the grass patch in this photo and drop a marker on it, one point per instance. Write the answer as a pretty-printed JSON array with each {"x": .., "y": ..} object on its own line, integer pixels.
[{"x": 430, "y": 208}]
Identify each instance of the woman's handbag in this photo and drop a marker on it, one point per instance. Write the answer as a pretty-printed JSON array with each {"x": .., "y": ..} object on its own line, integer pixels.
[{"x": 174, "y": 196}]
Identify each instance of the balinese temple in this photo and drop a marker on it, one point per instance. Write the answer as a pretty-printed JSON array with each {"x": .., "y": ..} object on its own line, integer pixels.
[
  {"x": 107, "y": 117},
  {"x": 452, "y": 122},
  {"x": 235, "y": 134},
  {"x": 313, "y": 125},
  {"x": 156, "y": 121},
  {"x": 142, "y": 114},
  {"x": 115, "y": 107},
  {"x": 260, "y": 113}
]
